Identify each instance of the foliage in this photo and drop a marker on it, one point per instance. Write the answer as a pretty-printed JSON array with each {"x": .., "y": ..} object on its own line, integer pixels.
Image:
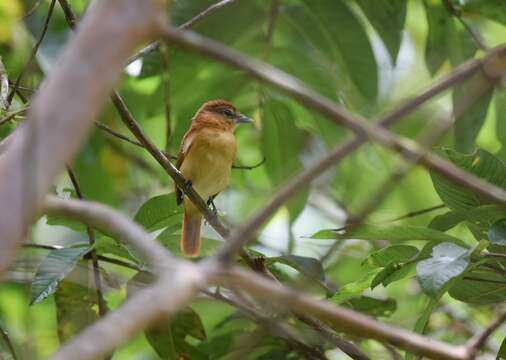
[{"x": 367, "y": 56}]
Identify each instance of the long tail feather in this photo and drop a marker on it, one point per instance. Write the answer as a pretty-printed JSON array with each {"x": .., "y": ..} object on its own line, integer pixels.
[{"x": 190, "y": 235}]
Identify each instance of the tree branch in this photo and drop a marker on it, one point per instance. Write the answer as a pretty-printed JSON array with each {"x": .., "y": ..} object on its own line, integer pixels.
[
  {"x": 478, "y": 341},
  {"x": 64, "y": 108},
  {"x": 33, "y": 53},
  {"x": 346, "y": 320}
]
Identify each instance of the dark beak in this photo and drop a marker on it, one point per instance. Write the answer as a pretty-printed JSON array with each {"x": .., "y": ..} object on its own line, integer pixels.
[{"x": 243, "y": 119}]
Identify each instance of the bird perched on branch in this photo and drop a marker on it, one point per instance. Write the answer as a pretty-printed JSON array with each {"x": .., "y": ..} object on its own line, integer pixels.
[{"x": 205, "y": 159}]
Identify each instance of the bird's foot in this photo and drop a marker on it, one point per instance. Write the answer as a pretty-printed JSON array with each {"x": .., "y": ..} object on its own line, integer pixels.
[
  {"x": 188, "y": 184},
  {"x": 212, "y": 205}
]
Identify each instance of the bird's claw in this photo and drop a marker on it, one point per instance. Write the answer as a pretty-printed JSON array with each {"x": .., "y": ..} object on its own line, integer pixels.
[
  {"x": 213, "y": 207},
  {"x": 188, "y": 184}
]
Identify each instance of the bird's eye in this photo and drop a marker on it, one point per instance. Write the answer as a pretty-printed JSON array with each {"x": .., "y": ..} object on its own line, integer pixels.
[{"x": 228, "y": 112}]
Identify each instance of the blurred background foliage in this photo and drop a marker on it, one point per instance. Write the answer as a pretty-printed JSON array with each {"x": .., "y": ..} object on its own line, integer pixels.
[{"x": 368, "y": 56}]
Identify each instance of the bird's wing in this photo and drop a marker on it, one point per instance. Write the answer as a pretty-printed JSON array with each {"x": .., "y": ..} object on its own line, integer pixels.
[{"x": 186, "y": 144}]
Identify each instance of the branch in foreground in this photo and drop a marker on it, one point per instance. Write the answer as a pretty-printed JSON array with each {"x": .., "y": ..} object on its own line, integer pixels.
[
  {"x": 115, "y": 224},
  {"x": 61, "y": 109},
  {"x": 346, "y": 320},
  {"x": 479, "y": 340}
]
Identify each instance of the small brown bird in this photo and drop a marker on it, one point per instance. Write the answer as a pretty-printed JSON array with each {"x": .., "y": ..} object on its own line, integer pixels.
[{"x": 205, "y": 159}]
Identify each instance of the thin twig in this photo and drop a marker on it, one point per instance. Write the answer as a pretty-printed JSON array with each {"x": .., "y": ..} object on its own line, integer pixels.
[
  {"x": 102, "y": 307},
  {"x": 116, "y": 134},
  {"x": 33, "y": 53},
  {"x": 11, "y": 115},
  {"x": 190, "y": 23},
  {"x": 4, "y": 87},
  {"x": 68, "y": 13},
  {"x": 32, "y": 9},
  {"x": 477, "y": 38},
  {"x": 479, "y": 340},
  {"x": 250, "y": 167}
]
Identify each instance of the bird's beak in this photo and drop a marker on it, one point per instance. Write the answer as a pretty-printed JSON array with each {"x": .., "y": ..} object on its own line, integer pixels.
[{"x": 243, "y": 119}]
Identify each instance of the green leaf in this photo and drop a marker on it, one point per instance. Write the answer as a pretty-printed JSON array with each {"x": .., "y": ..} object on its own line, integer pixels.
[
  {"x": 158, "y": 211},
  {"x": 282, "y": 142},
  {"x": 53, "y": 268},
  {"x": 469, "y": 123},
  {"x": 355, "y": 288},
  {"x": 372, "y": 306},
  {"x": 387, "y": 17},
  {"x": 76, "y": 303},
  {"x": 168, "y": 337},
  {"x": 480, "y": 287},
  {"x": 392, "y": 255},
  {"x": 58, "y": 221},
  {"x": 482, "y": 164},
  {"x": 493, "y": 9},
  {"x": 497, "y": 233},
  {"x": 310, "y": 267},
  {"x": 391, "y": 233},
  {"x": 448, "y": 261},
  {"x": 446, "y": 40},
  {"x": 486, "y": 214}
]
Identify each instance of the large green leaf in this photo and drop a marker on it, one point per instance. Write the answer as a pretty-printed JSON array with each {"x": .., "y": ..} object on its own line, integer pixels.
[
  {"x": 387, "y": 17},
  {"x": 448, "y": 261},
  {"x": 53, "y": 268},
  {"x": 158, "y": 211},
  {"x": 486, "y": 214},
  {"x": 497, "y": 233},
  {"x": 480, "y": 287},
  {"x": 391, "y": 233},
  {"x": 355, "y": 288},
  {"x": 76, "y": 303},
  {"x": 168, "y": 337},
  {"x": 475, "y": 95},
  {"x": 392, "y": 255},
  {"x": 482, "y": 164},
  {"x": 372, "y": 306},
  {"x": 446, "y": 40}
]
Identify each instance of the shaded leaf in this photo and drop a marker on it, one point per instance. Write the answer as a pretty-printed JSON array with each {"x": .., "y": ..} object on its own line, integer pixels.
[
  {"x": 501, "y": 354},
  {"x": 76, "y": 303},
  {"x": 387, "y": 17},
  {"x": 447, "y": 262},
  {"x": 481, "y": 215},
  {"x": 372, "y": 306},
  {"x": 480, "y": 287},
  {"x": 53, "y": 268},
  {"x": 355, "y": 288},
  {"x": 158, "y": 211},
  {"x": 482, "y": 164},
  {"x": 392, "y": 255},
  {"x": 497, "y": 233}
]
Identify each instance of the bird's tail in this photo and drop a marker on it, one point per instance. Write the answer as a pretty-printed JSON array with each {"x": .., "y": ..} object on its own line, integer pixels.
[{"x": 190, "y": 234}]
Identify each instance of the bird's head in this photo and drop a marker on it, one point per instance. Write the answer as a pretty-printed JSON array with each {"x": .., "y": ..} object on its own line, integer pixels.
[{"x": 221, "y": 114}]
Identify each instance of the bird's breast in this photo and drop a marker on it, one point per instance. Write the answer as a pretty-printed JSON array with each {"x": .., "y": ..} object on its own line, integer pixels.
[{"x": 209, "y": 161}]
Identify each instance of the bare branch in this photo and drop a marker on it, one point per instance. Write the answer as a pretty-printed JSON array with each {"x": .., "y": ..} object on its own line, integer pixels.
[
  {"x": 33, "y": 53},
  {"x": 65, "y": 107},
  {"x": 116, "y": 225},
  {"x": 346, "y": 320},
  {"x": 187, "y": 25},
  {"x": 479, "y": 340}
]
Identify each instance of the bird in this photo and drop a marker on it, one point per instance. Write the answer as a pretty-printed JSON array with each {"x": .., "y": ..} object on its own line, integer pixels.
[{"x": 205, "y": 160}]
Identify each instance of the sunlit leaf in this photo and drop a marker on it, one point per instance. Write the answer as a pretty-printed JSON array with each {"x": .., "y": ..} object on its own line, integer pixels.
[
  {"x": 158, "y": 211},
  {"x": 372, "y": 306},
  {"x": 447, "y": 262}
]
